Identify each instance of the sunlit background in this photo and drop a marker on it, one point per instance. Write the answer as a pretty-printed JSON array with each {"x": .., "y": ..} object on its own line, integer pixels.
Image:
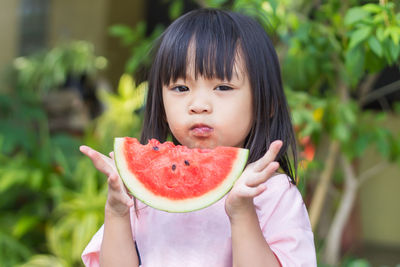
[{"x": 71, "y": 73}]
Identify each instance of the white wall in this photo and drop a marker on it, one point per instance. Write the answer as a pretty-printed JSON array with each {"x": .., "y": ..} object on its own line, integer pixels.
[{"x": 380, "y": 205}]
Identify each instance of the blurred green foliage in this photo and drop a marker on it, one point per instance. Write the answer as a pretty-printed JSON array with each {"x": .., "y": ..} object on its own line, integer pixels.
[
  {"x": 52, "y": 198},
  {"x": 138, "y": 41},
  {"x": 122, "y": 113},
  {"x": 48, "y": 70}
]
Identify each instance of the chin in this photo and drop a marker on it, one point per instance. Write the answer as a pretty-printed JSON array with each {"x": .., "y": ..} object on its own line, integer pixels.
[{"x": 204, "y": 143}]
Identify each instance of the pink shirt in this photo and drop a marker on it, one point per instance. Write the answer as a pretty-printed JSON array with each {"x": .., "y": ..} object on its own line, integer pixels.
[{"x": 203, "y": 238}]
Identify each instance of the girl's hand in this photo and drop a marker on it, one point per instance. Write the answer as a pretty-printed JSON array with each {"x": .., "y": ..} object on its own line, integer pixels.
[
  {"x": 118, "y": 200},
  {"x": 251, "y": 183}
]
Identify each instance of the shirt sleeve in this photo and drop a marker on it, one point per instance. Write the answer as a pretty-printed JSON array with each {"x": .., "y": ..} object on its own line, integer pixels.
[
  {"x": 91, "y": 254},
  {"x": 285, "y": 223}
]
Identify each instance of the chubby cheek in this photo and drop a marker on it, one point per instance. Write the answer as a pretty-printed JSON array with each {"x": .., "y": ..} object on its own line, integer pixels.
[
  {"x": 235, "y": 126},
  {"x": 235, "y": 130},
  {"x": 172, "y": 112},
  {"x": 177, "y": 131},
  {"x": 175, "y": 120}
]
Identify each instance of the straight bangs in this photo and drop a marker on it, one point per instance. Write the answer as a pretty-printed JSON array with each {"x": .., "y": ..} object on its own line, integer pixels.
[{"x": 198, "y": 45}]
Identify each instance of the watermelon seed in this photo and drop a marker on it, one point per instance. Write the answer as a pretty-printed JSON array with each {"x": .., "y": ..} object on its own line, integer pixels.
[
  {"x": 187, "y": 163},
  {"x": 173, "y": 167},
  {"x": 155, "y": 148}
]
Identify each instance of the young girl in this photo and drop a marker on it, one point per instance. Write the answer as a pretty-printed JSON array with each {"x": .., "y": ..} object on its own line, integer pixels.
[{"x": 215, "y": 81}]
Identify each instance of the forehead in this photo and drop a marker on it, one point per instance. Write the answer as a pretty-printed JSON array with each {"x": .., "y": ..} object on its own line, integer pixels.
[
  {"x": 201, "y": 48},
  {"x": 236, "y": 64}
]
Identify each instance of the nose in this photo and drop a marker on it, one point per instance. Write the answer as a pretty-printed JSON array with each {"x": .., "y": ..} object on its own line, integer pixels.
[{"x": 199, "y": 105}]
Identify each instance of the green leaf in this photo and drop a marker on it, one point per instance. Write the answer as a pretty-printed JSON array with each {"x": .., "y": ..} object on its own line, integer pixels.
[
  {"x": 354, "y": 15},
  {"x": 215, "y": 3},
  {"x": 361, "y": 143},
  {"x": 309, "y": 129},
  {"x": 176, "y": 9},
  {"x": 380, "y": 33},
  {"x": 359, "y": 263},
  {"x": 373, "y": 8},
  {"x": 382, "y": 142},
  {"x": 359, "y": 35},
  {"x": 12, "y": 249},
  {"x": 397, "y": 108},
  {"x": 126, "y": 86},
  {"x": 122, "y": 31},
  {"x": 386, "y": 32},
  {"x": 395, "y": 33},
  {"x": 394, "y": 51},
  {"x": 354, "y": 62},
  {"x": 297, "y": 118},
  {"x": 341, "y": 132},
  {"x": 25, "y": 224},
  {"x": 303, "y": 32},
  {"x": 374, "y": 63},
  {"x": 375, "y": 45},
  {"x": 348, "y": 114},
  {"x": 41, "y": 260}
]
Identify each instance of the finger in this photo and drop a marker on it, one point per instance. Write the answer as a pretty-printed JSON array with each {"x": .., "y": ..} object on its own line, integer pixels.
[
  {"x": 101, "y": 162},
  {"x": 129, "y": 201},
  {"x": 114, "y": 183},
  {"x": 269, "y": 156},
  {"x": 251, "y": 192},
  {"x": 263, "y": 176},
  {"x": 120, "y": 201},
  {"x": 259, "y": 189},
  {"x": 118, "y": 190}
]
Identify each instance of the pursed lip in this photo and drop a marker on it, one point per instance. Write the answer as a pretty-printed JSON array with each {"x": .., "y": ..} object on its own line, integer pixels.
[{"x": 201, "y": 130}]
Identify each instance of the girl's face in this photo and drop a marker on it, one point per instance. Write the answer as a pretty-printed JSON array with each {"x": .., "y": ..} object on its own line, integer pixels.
[{"x": 205, "y": 113}]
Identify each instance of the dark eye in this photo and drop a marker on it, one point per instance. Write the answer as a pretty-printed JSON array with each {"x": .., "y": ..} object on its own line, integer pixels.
[
  {"x": 223, "y": 88},
  {"x": 180, "y": 88}
]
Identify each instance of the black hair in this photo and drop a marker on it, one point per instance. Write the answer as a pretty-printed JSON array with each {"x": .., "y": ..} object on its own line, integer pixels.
[{"x": 219, "y": 36}]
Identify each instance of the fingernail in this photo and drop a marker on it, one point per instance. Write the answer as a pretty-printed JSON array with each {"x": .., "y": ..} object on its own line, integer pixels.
[
  {"x": 265, "y": 187},
  {"x": 279, "y": 145},
  {"x": 262, "y": 187}
]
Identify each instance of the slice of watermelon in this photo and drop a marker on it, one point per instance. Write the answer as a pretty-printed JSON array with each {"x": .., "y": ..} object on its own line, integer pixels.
[{"x": 177, "y": 178}]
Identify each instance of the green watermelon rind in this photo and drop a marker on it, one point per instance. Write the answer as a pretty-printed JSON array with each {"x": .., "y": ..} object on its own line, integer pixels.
[{"x": 162, "y": 203}]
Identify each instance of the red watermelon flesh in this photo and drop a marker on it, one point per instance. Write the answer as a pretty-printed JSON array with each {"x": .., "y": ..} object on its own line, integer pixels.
[{"x": 177, "y": 178}]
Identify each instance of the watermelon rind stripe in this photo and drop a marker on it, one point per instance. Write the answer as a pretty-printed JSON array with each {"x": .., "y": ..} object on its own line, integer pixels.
[{"x": 139, "y": 191}]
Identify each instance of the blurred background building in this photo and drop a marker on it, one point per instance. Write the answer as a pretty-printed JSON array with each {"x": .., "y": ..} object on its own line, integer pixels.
[{"x": 28, "y": 26}]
